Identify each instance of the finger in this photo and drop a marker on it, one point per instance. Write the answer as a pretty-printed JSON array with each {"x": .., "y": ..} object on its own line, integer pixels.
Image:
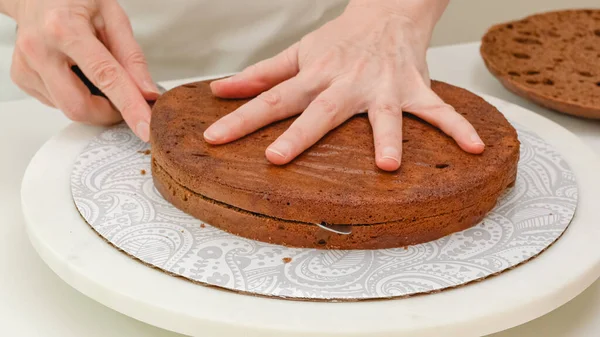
[
  {"x": 386, "y": 121},
  {"x": 330, "y": 109},
  {"x": 284, "y": 100},
  {"x": 72, "y": 96},
  {"x": 37, "y": 95},
  {"x": 27, "y": 79},
  {"x": 259, "y": 77},
  {"x": 429, "y": 107},
  {"x": 118, "y": 37},
  {"x": 101, "y": 68},
  {"x": 43, "y": 97}
]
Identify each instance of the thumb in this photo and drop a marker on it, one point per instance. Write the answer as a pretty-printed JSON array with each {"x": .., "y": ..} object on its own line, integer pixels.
[{"x": 259, "y": 77}]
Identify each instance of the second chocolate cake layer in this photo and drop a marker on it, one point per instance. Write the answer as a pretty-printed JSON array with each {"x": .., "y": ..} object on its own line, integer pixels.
[{"x": 298, "y": 234}]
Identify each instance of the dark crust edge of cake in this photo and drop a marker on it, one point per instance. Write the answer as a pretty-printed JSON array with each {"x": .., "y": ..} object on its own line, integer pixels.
[
  {"x": 299, "y": 234},
  {"x": 474, "y": 192},
  {"x": 529, "y": 93}
]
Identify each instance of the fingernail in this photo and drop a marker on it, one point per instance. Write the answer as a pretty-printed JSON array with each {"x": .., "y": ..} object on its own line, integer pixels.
[
  {"x": 390, "y": 153},
  {"x": 476, "y": 140},
  {"x": 222, "y": 80},
  {"x": 143, "y": 131},
  {"x": 281, "y": 149},
  {"x": 151, "y": 87},
  {"x": 215, "y": 132}
]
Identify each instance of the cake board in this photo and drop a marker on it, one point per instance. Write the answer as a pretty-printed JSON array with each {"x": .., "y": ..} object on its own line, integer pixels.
[{"x": 76, "y": 253}]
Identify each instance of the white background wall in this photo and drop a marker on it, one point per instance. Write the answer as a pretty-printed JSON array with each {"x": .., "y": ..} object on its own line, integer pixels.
[{"x": 463, "y": 21}]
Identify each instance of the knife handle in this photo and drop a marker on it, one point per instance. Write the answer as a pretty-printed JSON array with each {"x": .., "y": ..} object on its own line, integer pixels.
[
  {"x": 93, "y": 89},
  {"x": 97, "y": 92}
]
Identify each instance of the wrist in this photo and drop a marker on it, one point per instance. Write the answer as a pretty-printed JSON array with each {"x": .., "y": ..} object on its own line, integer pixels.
[{"x": 423, "y": 14}]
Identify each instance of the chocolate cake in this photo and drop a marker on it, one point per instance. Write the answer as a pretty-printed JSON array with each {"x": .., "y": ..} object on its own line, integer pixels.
[
  {"x": 335, "y": 186},
  {"x": 552, "y": 59}
]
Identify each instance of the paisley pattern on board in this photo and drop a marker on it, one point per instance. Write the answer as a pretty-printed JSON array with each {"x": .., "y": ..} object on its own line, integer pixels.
[{"x": 112, "y": 187}]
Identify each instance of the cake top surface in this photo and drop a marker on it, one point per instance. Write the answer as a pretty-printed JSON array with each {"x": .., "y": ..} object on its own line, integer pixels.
[
  {"x": 555, "y": 55},
  {"x": 337, "y": 179}
]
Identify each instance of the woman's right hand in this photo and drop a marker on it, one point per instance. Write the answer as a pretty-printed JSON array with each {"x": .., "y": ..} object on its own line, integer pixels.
[{"x": 95, "y": 35}]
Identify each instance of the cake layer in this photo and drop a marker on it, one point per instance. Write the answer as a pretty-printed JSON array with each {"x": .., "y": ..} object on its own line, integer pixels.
[
  {"x": 299, "y": 234},
  {"x": 552, "y": 59},
  {"x": 336, "y": 181}
]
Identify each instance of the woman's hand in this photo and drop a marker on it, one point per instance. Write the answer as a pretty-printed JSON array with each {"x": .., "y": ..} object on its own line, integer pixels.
[
  {"x": 371, "y": 58},
  {"x": 95, "y": 35}
]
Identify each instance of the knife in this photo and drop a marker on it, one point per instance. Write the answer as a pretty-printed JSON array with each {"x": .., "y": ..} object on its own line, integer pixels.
[{"x": 97, "y": 92}]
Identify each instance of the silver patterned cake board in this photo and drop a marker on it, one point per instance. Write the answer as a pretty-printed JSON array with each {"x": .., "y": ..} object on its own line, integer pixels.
[{"x": 113, "y": 190}]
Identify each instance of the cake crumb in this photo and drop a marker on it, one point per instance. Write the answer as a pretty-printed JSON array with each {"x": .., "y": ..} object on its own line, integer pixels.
[
  {"x": 202, "y": 225},
  {"x": 147, "y": 152},
  {"x": 182, "y": 231},
  {"x": 286, "y": 259},
  {"x": 405, "y": 247},
  {"x": 143, "y": 172}
]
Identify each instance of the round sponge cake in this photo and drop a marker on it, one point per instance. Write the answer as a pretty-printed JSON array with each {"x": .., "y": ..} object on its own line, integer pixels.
[
  {"x": 552, "y": 59},
  {"x": 438, "y": 190}
]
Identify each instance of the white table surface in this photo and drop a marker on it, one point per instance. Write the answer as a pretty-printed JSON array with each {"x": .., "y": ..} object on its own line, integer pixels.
[{"x": 35, "y": 302}]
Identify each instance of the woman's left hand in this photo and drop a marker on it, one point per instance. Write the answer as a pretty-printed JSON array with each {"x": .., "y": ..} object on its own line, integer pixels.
[{"x": 369, "y": 59}]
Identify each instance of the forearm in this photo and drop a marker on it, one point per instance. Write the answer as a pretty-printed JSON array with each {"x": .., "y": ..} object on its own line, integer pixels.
[
  {"x": 9, "y": 7},
  {"x": 425, "y": 13}
]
